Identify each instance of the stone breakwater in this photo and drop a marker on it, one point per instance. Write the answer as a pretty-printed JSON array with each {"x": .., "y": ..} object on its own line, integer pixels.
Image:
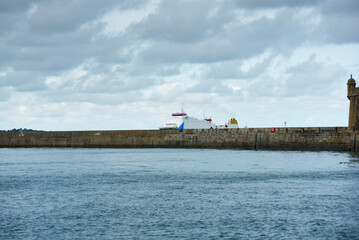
[{"x": 318, "y": 138}]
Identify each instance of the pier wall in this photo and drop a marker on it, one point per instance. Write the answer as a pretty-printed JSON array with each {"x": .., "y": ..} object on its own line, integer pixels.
[{"x": 318, "y": 138}]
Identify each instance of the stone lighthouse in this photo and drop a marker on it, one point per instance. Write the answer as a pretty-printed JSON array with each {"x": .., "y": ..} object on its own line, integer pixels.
[{"x": 353, "y": 96}]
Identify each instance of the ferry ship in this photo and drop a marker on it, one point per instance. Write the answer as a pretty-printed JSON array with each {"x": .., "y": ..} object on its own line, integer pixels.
[{"x": 181, "y": 120}]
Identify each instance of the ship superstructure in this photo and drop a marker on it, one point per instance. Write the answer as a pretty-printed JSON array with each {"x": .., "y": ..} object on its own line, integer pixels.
[{"x": 232, "y": 123}]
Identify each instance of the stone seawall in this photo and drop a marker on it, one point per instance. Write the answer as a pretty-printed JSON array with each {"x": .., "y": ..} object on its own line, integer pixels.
[{"x": 326, "y": 138}]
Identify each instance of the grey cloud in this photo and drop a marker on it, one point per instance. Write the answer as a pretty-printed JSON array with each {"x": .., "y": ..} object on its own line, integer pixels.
[
  {"x": 225, "y": 70},
  {"x": 96, "y": 97},
  {"x": 53, "y": 54},
  {"x": 210, "y": 86},
  {"x": 340, "y": 21},
  {"x": 144, "y": 69},
  {"x": 55, "y": 16},
  {"x": 258, "y": 4},
  {"x": 23, "y": 81},
  {"x": 5, "y": 93},
  {"x": 59, "y": 16},
  {"x": 343, "y": 29},
  {"x": 7, "y": 22},
  {"x": 341, "y": 8},
  {"x": 11, "y": 6},
  {"x": 183, "y": 22},
  {"x": 167, "y": 70},
  {"x": 304, "y": 79},
  {"x": 312, "y": 78},
  {"x": 281, "y": 33},
  {"x": 203, "y": 39},
  {"x": 136, "y": 64},
  {"x": 232, "y": 69},
  {"x": 210, "y": 50},
  {"x": 53, "y": 42},
  {"x": 106, "y": 89}
]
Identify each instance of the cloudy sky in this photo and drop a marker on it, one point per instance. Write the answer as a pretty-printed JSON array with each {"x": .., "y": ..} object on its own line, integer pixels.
[{"x": 89, "y": 64}]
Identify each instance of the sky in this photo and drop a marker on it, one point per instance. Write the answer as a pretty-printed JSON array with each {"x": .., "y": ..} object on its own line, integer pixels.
[{"x": 113, "y": 65}]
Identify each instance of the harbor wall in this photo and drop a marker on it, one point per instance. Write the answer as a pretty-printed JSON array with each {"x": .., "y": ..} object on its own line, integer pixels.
[{"x": 318, "y": 138}]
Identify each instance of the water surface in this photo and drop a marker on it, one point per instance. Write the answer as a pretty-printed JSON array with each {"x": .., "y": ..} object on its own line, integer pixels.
[{"x": 177, "y": 193}]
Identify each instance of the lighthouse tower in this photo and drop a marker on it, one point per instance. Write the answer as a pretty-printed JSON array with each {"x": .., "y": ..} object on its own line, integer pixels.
[{"x": 353, "y": 96}]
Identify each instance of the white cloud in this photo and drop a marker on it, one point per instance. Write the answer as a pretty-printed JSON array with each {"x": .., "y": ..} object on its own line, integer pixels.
[
  {"x": 53, "y": 82},
  {"x": 118, "y": 21}
]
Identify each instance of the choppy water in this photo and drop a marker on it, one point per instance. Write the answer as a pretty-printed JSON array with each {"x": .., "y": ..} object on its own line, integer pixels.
[{"x": 177, "y": 193}]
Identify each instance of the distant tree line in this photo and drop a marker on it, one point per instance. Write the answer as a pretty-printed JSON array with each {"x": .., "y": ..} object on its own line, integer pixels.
[{"x": 21, "y": 130}]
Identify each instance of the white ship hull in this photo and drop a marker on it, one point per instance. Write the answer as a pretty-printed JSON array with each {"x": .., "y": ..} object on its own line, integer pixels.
[{"x": 183, "y": 121}]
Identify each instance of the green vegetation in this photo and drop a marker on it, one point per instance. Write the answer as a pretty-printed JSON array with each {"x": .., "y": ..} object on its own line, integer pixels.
[{"x": 21, "y": 130}]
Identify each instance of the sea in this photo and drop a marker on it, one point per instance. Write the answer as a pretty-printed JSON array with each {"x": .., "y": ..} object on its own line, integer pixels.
[{"x": 64, "y": 193}]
